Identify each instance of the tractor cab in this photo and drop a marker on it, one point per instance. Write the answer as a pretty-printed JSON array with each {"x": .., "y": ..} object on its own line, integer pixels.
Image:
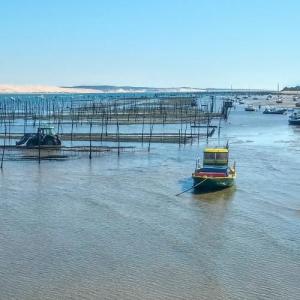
[{"x": 46, "y": 131}]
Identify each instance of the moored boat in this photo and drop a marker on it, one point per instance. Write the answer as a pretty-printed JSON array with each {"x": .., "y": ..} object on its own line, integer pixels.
[
  {"x": 215, "y": 172},
  {"x": 294, "y": 118},
  {"x": 250, "y": 107},
  {"x": 275, "y": 110}
]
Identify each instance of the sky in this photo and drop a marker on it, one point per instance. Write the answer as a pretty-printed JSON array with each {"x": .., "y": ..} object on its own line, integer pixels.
[{"x": 156, "y": 43}]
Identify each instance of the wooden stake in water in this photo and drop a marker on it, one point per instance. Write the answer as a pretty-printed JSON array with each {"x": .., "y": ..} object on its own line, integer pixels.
[
  {"x": 90, "y": 137},
  {"x": 39, "y": 137},
  {"x": 118, "y": 137},
  {"x": 3, "y": 151}
]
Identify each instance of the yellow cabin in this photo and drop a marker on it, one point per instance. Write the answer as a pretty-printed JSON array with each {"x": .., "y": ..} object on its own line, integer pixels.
[{"x": 215, "y": 156}]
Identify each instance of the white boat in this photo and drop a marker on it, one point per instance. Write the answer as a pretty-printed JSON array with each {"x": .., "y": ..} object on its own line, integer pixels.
[
  {"x": 250, "y": 107},
  {"x": 274, "y": 111}
]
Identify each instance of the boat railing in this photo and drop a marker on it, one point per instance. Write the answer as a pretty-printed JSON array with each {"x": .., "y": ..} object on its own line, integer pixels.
[{"x": 198, "y": 163}]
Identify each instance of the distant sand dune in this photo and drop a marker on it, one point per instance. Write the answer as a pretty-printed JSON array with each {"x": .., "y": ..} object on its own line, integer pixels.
[{"x": 12, "y": 89}]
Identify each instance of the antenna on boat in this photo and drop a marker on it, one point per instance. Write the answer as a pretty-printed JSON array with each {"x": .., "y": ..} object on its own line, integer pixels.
[{"x": 219, "y": 131}]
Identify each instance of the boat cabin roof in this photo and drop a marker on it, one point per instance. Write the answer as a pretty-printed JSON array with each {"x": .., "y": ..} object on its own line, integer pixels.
[{"x": 216, "y": 150}]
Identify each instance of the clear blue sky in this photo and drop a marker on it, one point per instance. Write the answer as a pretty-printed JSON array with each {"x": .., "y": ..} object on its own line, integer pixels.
[{"x": 198, "y": 43}]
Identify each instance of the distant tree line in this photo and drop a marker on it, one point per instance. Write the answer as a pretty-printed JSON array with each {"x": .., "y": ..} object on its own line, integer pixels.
[{"x": 291, "y": 89}]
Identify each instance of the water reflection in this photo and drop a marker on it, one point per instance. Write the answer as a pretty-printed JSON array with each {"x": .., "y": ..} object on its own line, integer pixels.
[
  {"x": 295, "y": 128},
  {"x": 204, "y": 195},
  {"x": 224, "y": 194}
]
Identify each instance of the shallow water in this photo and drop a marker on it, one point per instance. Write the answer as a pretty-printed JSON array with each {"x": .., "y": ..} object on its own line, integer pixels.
[{"x": 113, "y": 228}]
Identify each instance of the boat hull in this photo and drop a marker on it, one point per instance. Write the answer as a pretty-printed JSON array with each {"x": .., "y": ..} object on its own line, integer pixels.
[
  {"x": 294, "y": 122},
  {"x": 212, "y": 183},
  {"x": 279, "y": 112}
]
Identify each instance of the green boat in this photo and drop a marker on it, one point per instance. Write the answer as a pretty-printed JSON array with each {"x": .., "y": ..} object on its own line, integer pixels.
[{"x": 215, "y": 173}]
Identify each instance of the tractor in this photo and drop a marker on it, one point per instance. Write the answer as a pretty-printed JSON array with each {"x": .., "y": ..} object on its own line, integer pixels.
[{"x": 45, "y": 136}]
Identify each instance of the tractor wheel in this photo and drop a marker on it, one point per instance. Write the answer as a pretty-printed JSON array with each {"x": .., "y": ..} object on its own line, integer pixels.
[{"x": 58, "y": 141}]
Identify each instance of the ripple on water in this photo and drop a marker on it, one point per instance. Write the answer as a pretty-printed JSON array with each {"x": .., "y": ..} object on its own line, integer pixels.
[{"x": 114, "y": 229}]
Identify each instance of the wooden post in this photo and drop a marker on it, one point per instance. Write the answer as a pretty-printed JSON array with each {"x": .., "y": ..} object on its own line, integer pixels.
[
  {"x": 3, "y": 150},
  {"x": 90, "y": 137}
]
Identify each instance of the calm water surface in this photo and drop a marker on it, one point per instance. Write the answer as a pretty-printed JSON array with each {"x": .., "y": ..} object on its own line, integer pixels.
[{"x": 114, "y": 229}]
